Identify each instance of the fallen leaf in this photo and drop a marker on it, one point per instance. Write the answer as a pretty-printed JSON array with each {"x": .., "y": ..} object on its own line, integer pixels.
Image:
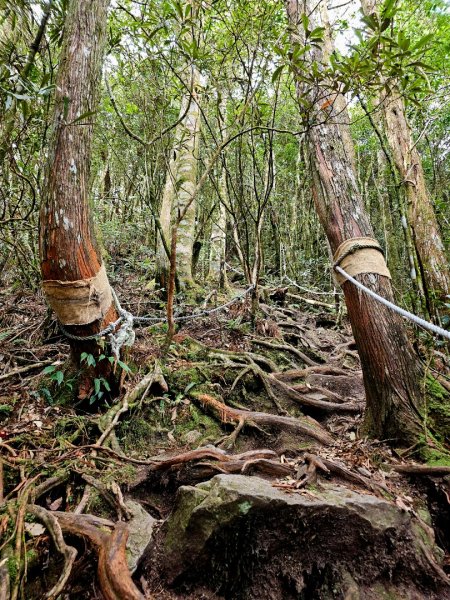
[{"x": 34, "y": 529}]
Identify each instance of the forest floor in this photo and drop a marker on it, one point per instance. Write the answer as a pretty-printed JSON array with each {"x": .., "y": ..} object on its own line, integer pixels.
[{"x": 281, "y": 398}]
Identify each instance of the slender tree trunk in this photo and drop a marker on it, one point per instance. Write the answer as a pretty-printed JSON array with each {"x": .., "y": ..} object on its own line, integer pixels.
[
  {"x": 180, "y": 184},
  {"x": 162, "y": 259},
  {"x": 187, "y": 169},
  {"x": 217, "y": 269},
  {"x": 9, "y": 120},
  {"x": 75, "y": 281},
  {"x": 426, "y": 235},
  {"x": 217, "y": 272},
  {"x": 391, "y": 370}
]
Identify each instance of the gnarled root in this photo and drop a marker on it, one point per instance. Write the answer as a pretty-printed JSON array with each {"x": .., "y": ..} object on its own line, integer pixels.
[
  {"x": 307, "y": 473},
  {"x": 305, "y": 425},
  {"x": 113, "y": 573},
  {"x": 69, "y": 552}
]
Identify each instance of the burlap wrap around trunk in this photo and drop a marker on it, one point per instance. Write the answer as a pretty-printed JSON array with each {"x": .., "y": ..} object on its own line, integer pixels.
[
  {"x": 360, "y": 255},
  {"x": 79, "y": 302}
]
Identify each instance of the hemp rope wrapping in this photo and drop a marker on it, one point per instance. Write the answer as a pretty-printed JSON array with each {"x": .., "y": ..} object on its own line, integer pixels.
[
  {"x": 79, "y": 302},
  {"x": 360, "y": 255}
]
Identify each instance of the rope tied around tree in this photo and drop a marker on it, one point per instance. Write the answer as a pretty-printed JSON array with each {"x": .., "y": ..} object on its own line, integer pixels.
[
  {"x": 360, "y": 255},
  {"x": 125, "y": 336},
  {"x": 346, "y": 270}
]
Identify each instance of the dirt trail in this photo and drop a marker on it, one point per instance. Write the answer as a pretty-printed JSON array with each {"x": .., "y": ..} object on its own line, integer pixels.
[{"x": 283, "y": 401}]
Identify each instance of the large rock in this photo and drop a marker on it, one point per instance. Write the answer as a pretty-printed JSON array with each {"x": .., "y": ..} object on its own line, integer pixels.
[
  {"x": 242, "y": 538},
  {"x": 140, "y": 532}
]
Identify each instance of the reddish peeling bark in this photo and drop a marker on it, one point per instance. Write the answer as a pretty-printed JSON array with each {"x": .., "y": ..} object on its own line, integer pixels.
[
  {"x": 68, "y": 248},
  {"x": 390, "y": 367}
]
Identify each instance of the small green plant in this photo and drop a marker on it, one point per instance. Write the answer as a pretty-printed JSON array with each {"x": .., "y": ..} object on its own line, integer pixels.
[
  {"x": 62, "y": 384},
  {"x": 57, "y": 376},
  {"x": 91, "y": 361},
  {"x": 5, "y": 410},
  {"x": 101, "y": 386},
  {"x": 99, "y": 383}
]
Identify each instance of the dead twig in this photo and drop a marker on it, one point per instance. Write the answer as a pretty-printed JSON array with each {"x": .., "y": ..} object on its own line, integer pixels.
[{"x": 27, "y": 368}]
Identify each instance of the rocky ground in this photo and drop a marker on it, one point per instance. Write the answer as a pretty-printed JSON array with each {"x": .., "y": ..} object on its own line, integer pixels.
[{"x": 236, "y": 465}]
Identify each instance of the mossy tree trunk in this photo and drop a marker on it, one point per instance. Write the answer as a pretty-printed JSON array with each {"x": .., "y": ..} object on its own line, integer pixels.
[
  {"x": 390, "y": 367},
  {"x": 217, "y": 268},
  {"x": 180, "y": 184}
]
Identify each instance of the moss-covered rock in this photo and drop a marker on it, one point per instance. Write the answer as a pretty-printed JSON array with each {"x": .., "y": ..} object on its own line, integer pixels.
[{"x": 239, "y": 535}]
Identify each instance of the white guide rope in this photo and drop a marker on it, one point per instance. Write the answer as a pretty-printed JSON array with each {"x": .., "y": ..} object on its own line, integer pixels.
[{"x": 401, "y": 311}]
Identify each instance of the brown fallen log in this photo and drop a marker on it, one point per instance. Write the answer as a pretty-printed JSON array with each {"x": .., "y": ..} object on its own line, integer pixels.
[{"x": 305, "y": 425}]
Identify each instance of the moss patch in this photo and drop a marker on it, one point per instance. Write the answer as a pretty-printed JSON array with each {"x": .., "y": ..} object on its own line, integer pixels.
[{"x": 438, "y": 409}]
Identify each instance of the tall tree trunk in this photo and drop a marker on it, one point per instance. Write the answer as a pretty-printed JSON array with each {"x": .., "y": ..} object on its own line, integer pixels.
[
  {"x": 180, "y": 184},
  {"x": 186, "y": 181},
  {"x": 217, "y": 271},
  {"x": 217, "y": 268},
  {"x": 426, "y": 235},
  {"x": 390, "y": 368},
  {"x": 75, "y": 280}
]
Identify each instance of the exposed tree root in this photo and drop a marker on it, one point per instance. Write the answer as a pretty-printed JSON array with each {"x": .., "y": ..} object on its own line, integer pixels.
[
  {"x": 305, "y": 425},
  {"x": 438, "y": 471},
  {"x": 306, "y": 399},
  {"x": 217, "y": 454},
  {"x": 111, "y": 494},
  {"x": 237, "y": 356},
  {"x": 113, "y": 573},
  {"x": 109, "y": 420},
  {"x": 348, "y": 475},
  {"x": 244, "y": 467},
  {"x": 286, "y": 348},
  {"x": 311, "y": 302},
  {"x": 230, "y": 440},
  {"x": 295, "y": 374},
  {"x": 69, "y": 552},
  {"x": 303, "y": 388},
  {"x": 307, "y": 474}
]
